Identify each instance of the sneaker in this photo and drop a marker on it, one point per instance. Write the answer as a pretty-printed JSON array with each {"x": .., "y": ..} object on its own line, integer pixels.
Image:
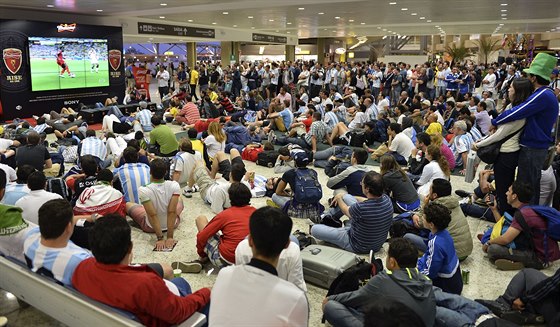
[
  {"x": 195, "y": 188},
  {"x": 523, "y": 318},
  {"x": 271, "y": 203},
  {"x": 497, "y": 308},
  {"x": 503, "y": 264},
  {"x": 463, "y": 194},
  {"x": 187, "y": 192},
  {"x": 271, "y": 137},
  {"x": 61, "y": 76},
  {"x": 193, "y": 267},
  {"x": 329, "y": 220}
]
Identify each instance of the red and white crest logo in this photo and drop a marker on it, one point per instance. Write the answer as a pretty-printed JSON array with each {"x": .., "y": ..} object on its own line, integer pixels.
[
  {"x": 115, "y": 57},
  {"x": 12, "y": 59}
]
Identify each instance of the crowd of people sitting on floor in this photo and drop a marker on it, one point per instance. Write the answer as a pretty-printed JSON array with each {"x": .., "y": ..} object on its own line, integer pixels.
[{"x": 422, "y": 124}]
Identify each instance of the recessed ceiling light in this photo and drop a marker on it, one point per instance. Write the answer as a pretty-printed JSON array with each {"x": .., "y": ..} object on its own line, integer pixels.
[
  {"x": 321, "y": 13},
  {"x": 214, "y": 23},
  {"x": 413, "y": 14},
  {"x": 390, "y": 31},
  {"x": 422, "y": 17},
  {"x": 378, "y": 27},
  {"x": 234, "y": 25},
  {"x": 288, "y": 23},
  {"x": 151, "y": 38},
  {"x": 301, "y": 8},
  {"x": 362, "y": 23},
  {"x": 181, "y": 40},
  {"x": 289, "y": 32},
  {"x": 162, "y": 17},
  {"x": 189, "y": 20},
  {"x": 504, "y": 15},
  {"x": 163, "y": 4},
  {"x": 250, "y": 17},
  {"x": 277, "y": 31},
  {"x": 336, "y": 17},
  {"x": 503, "y": 10},
  {"x": 437, "y": 26},
  {"x": 504, "y": 18},
  {"x": 50, "y": 6},
  {"x": 384, "y": 30},
  {"x": 501, "y": 24},
  {"x": 392, "y": 3},
  {"x": 351, "y": 20},
  {"x": 394, "y": 32},
  {"x": 99, "y": 10},
  {"x": 225, "y": 13},
  {"x": 324, "y": 29},
  {"x": 252, "y": 27},
  {"x": 429, "y": 21},
  {"x": 404, "y": 9},
  {"x": 271, "y": 20},
  {"x": 503, "y": 4}
]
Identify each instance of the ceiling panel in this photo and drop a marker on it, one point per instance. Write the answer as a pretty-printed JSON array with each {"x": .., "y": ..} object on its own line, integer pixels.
[{"x": 329, "y": 18}]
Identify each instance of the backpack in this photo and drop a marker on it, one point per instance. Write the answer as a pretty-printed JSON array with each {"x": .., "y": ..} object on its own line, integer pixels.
[
  {"x": 552, "y": 216},
  {"x": 58, "y": 186},
  {"x": 355, "y": 277},
  {"x": 251, "y": 154},
  {"x": 267, "y": 158},
  {"x": 307, "y": 188},
  {"x": 403, "y": 224},
  {"x": 128, "y": 73}
]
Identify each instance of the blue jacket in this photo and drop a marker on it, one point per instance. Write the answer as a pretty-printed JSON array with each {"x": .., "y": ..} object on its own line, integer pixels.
[
  {"x": 440, "y": 260},
  {"x": 541, "y": 111}
]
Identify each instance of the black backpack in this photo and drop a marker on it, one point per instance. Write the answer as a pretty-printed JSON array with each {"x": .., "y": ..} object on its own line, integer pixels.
[
  {"x": 355, "y": 277},
  {"x": 267, "y": 158}
]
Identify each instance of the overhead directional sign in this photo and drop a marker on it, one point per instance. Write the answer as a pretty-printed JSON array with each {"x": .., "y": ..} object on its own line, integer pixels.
[
  {"x": 175, "y": 30},
  {"x": 269, "y": 38}
]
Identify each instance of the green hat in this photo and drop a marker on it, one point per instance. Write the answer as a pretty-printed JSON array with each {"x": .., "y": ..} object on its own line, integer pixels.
[{"x": 542, "y": 65}]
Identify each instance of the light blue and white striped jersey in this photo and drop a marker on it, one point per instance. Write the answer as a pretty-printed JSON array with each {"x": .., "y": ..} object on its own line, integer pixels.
[
  {"x": 475, "y": 134},
  {"x": 145, "y": 118},
  {"x": 132, "y": 177},
  {"x": 461, "y": 143},
  {"x": 94, "y": 146},
  {"x": 14, "y": 192},
  {"x": 40, "y": 128},
  {"x": 331, "y": 119},
  {"x": 61, "y": 262}
]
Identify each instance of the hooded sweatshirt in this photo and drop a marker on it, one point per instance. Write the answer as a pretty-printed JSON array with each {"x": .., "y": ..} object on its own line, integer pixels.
[{"x": 406, "y": 286}]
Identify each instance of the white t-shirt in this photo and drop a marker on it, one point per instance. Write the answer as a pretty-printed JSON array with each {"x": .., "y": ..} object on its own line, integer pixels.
[
  {"x": 212, "y": 146},
  {"x": 289, "y": 266},
  {"x": 160, "y": 194},
  {"x": 383, "y": 105},
  {"x": 185, "y": 164},
  {"x": 5, "y": 143},
  {"x": 377, "y": 82},
  {"x": 218, "y": 197},
  {"x": 240, "y": 289},
  {"x": 10, "y": 172},
  {"x": 359, "y": 120},
  {"x": 491, "y": 86},
  {"x": 403, "y": 145},
  {"x": 32, "y": 202}
]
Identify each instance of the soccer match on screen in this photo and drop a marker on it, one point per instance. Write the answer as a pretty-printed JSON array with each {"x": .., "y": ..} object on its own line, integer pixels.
[{"x": 68, "y": 63}]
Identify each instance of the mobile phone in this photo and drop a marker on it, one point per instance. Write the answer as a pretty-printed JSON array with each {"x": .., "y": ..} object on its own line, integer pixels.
[{"x": 491, "y": 198}]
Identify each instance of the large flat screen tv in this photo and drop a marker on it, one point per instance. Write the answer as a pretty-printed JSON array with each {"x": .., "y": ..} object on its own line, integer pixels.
[{"x": 68, "y": 63}]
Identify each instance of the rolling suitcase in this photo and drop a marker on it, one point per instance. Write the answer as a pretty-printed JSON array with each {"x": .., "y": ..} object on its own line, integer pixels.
[{"x": 322, "y": 264}]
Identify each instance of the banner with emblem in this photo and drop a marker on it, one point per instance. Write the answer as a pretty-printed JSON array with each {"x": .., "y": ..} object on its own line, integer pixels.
[{"x": 12, "y": 59}]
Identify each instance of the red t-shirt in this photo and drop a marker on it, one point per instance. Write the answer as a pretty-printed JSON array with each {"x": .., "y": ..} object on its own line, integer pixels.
[
  {"x": 139, "y": 290},
  {"x": 190, "y": 112},
  {"x": 234, "y": 224},
  {"x": 307, "y": 122},
  {"x": 537, "y": 224}
]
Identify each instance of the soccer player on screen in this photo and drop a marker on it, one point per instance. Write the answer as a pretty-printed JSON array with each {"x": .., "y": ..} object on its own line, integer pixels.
[
  {"x": 62, "y": 63},
  {"x": 94, "y": 60}
]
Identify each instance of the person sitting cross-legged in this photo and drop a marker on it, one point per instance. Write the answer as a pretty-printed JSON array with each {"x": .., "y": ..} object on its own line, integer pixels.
[
  {"x": 109, "y": 278},
  {"x": 161, "y": 206},
  {"x": 233, "y": 223},
  {"x": 370, "y": 218},
  {"x": 401, "y": 282},
  {"x": 32, "y": 202}
]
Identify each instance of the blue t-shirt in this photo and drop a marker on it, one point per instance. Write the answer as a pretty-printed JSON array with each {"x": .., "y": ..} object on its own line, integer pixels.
[{"x": 287, "y": 117}]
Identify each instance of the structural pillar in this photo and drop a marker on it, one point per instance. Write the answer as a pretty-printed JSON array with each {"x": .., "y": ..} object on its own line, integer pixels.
[
  {"x": 226, "y": 52},
  {"x": 290, "y": 52},
  {"x": 191, "y": 54},
  {"x": 236, "y": 51},
  {"x": 462, "y": 39},
  {"x": 321, "y": 50}
]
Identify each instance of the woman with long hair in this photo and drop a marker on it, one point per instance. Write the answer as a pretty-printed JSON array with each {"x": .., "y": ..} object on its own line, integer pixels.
[
  {"x": 506, "y": 162},
  {"x": 216, "y": 140},
  {"x": 437, "y": 139},
  {"x": 437, "y": 167},
  {"x": 398, "y": 186}
]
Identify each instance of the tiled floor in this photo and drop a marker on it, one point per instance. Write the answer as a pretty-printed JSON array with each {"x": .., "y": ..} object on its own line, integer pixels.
[{"x": 485, "y": 280}]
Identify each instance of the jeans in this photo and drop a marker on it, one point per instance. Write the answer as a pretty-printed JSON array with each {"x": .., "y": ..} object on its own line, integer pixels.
[
  {"x": 421, "y": 243},
  {"x": 339, "y": 315},
  {"x": 504, "y": 175},
  {"x": 477, "y": 211},
  {"x": 524, "y": 281},
  {"x": 399, "y": 158},
  {"x": 280, "y": 200},
  {"x": 440, "y": 90},
  {"x": 527, "y": 257},
  {"x": 336, "y": 236},
  {"x": 529, "y": 169},
  {"x": 336, "y": 212},
  {"x": 115, "y": 111},
  {"x": 182, "y": 285},
  {"x": 282, "y": 140},
  {"x": 456, "y": 311},
  {"x": 321, "y": 158}
]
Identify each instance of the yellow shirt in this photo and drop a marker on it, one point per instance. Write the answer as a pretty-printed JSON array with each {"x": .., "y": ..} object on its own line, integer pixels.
[
  {"x": 434, "y": 128},
  {"x": 173, "y": 111},
  {"x": 213, "y": 96},
  {"x": 198, "y": 146},
  {"x": 194, "y": 77}
]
